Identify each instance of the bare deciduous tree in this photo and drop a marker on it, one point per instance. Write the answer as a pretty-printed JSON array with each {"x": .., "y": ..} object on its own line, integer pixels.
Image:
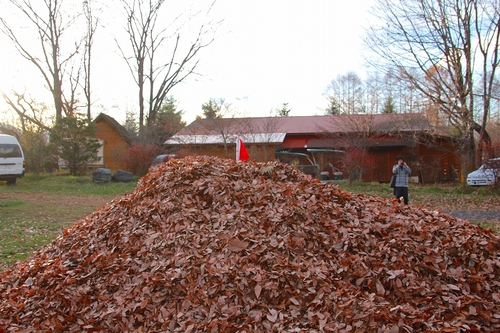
[
  {"x": 263, "y": 133},
  {"x": 346, "y": 94},
  {"x": 159, "y": 60},
  {"x": 443, "y": 48}
]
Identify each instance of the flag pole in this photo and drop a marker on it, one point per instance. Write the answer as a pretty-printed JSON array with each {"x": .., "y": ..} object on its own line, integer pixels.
[{"x": 238, "y": 148}]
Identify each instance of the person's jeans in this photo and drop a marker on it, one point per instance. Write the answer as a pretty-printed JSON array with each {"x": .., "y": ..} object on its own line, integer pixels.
[{"x": 401, "y": 192}]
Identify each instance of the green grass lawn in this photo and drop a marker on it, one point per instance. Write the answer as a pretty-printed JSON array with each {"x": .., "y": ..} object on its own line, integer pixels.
[
  {"x": 65, "y": 184},
  {"x": 21, "y": 231}
]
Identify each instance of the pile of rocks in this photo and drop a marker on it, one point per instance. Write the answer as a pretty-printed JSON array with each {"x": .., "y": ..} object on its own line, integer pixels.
[{"x": 211, "y": 245}]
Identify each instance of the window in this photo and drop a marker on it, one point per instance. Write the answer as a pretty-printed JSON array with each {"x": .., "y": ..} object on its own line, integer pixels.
[{"x": 9, "y": 150}]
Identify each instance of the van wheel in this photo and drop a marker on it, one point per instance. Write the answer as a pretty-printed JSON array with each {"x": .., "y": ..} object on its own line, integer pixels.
[{"x": 11, "y": 181}]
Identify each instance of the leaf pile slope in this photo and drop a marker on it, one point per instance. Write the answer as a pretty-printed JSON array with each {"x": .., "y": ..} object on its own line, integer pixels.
[{"x": 211, "y": 245}]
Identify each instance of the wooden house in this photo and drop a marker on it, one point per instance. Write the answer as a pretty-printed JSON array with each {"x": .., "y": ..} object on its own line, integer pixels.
[
  {"x": 114, "y": 139},
  {"x": 317, "y": 140}
]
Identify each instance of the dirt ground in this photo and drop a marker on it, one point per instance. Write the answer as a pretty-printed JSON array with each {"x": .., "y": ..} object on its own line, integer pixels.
[{"x": 56, "y": 199}]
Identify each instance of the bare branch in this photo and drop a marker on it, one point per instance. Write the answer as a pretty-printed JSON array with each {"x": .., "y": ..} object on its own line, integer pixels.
[
  {"x": 49, "y": 59},
  {"x": 27, "y": 110}
]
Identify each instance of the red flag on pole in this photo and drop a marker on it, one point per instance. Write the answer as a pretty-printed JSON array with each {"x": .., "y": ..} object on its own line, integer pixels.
[{"x": 241, "y": 151}]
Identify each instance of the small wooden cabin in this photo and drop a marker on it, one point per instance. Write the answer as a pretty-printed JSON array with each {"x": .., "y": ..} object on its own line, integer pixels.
[{"x": 115, "y": 141}]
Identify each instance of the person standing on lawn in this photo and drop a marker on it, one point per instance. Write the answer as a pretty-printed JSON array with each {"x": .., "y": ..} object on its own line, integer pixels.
[{"x": 402, "y": 172}]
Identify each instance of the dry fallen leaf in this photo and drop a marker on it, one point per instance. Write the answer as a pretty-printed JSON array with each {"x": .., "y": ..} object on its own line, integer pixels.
[
  {"x": 257, "y": 289},
  {"x": 236, "y": 245}
]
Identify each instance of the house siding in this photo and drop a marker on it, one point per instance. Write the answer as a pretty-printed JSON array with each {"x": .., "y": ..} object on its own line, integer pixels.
[
  {"x": 257, "y": 152},
  {"x": 384, "y": 160},
  {"x": 437, "y": 165},
  {"x": 428, "y": 164},
  {"x": 114, "y": 146}
]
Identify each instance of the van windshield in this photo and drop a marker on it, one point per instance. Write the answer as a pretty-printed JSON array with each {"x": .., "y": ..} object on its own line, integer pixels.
[{"x": 9, "y": 150}]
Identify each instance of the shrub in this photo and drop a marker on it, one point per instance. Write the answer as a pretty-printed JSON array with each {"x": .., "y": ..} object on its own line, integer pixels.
[
  {"x": 37, "y": 153},
  {"x": 139, "y": 157}
]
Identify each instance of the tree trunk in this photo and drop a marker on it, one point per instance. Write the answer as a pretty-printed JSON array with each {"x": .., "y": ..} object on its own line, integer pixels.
[{"x": 468, "y": 156}]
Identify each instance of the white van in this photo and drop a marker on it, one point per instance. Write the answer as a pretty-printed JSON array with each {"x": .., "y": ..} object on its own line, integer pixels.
[{"x": 12, "y": 164}]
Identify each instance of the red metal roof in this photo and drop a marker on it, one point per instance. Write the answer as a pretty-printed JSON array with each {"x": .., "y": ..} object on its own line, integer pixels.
[
  {"x": 276, "y": 129},
  {"x": 309, "y": 124}
]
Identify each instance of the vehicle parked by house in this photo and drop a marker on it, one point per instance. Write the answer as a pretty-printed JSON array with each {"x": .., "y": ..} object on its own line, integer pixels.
[
  {"x": 313, "y": 167},
  {"x": 12, "y": 164},
  {"x": 162, "y": 158},
  {"x": 488, "y": 174}
]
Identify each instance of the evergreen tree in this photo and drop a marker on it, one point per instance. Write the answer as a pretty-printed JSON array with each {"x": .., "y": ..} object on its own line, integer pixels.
[
  {"x": 284, "y": 111},
  {"x": 74, "y": 141},
  {"x": 131, "y": 125},
  {"x": 213, "y": 108},
  {"x": 389, "y": 105},
  {"x": 334, "y": 107}
]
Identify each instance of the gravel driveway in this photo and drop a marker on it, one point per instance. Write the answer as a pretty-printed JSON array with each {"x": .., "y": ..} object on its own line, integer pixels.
[{"x": 475, "y": 215}]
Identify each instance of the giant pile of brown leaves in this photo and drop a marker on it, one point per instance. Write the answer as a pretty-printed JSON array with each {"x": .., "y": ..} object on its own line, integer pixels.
[{"x": 210, "y": 245}]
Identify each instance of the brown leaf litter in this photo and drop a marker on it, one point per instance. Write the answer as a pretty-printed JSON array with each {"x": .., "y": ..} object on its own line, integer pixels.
[{"x": 211, "y": 245}]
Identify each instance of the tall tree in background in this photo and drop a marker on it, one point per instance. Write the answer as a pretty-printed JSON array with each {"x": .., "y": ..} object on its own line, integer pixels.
[
  {"x": 374, "y": 92},
  {"x": 347, "y": 94},
  {"x": 388, "y": 105},
  {"x": 405, "y": 97},
  {"x": 131, "y": 125},
  {"x": 215, "y": 108},
  {"x": 333, "y": 106},
  {"x": 442, "y": 49},
  {"x": 160, "y": 58},
  {"x": 56, "y": 55}
]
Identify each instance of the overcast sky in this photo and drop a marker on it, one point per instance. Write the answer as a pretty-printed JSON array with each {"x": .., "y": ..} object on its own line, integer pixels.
[{"x": 270, "y": 52}]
